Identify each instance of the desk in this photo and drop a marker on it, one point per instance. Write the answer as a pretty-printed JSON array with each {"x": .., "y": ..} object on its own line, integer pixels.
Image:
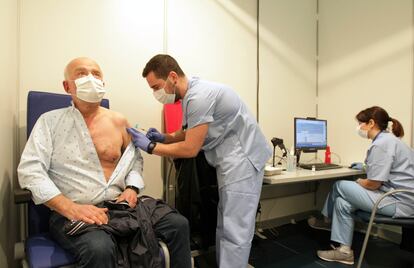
[
  {"x": 299, "y": 183},
  {"x": 306, "y": 175}
]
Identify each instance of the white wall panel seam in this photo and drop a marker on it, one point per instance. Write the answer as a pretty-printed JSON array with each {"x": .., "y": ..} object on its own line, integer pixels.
[
  {"x": 317, "y": 60},
  {"x": 412, "y": 81},
  {"x": 257, "y": 59},
  {"x": 23, "y": 226},
  {"x": 165, "y": 38},
  {"x": 17, "y": 100}
]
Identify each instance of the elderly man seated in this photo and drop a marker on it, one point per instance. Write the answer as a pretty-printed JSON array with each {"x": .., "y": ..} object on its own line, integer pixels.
[{"x": 79, "y": 156}]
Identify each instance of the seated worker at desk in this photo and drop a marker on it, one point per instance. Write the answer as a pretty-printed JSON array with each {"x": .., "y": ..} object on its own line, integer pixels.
[
  {"x": 79, "y": 156},
  {"x": 389, "y": 165}
]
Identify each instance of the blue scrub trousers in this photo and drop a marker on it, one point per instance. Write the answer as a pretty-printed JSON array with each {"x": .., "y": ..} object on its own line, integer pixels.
[
  {"x": 236, "y": 218},
  {"x": 345, "y": 198}
]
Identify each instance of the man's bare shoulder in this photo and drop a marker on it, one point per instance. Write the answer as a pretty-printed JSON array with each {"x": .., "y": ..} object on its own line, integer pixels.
[
  {"x": 120, "y": 121},
  {"x": 118, "y": 118}
]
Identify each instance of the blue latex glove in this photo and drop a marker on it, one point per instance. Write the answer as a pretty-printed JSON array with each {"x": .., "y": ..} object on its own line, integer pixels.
[
  {"x": 357, "y": 165},
  {"x": 139, "y": 139},
  {"x": 154, "y": 135}
]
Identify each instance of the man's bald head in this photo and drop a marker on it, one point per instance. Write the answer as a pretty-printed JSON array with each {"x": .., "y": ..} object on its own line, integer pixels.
[
  {"x": 78, "y": 68},
  {"x": 82, "y": 66}
]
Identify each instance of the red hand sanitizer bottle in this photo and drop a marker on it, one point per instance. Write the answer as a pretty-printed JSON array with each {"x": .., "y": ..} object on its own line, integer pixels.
[{"x": 328, "y": 155}]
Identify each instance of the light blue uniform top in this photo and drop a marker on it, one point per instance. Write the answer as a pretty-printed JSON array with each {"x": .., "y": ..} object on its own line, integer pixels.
[
  {"x": 234, "y": 144},
  {"x": 391, "y": 161}
]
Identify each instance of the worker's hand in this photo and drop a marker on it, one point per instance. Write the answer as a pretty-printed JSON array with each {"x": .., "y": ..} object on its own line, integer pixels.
[
  {"x": 128, "y": 195},
  {"x": 139, "y": 139},
  {"x": 154, "y": 135},
  {"x": 87, "y": 213},
  {"x": 357, "y": 165}
]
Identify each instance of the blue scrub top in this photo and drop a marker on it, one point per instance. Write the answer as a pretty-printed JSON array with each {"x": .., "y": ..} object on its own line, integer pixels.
[
  {"x": 391, "y": 161},
  {"x": 234, "y": 144}
]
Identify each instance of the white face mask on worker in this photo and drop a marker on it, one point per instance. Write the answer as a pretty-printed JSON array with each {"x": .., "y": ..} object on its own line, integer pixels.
[
  {"x": 362, "y": 133},
  {"x": 164, "y": 97},
  {"x": 90, "y": 89}
]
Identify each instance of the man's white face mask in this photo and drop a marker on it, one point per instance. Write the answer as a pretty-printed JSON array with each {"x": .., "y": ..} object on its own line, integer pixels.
[
  {"x": 89, "y": 89},
  {"x": 164, "y": 97},
  {"x": 361, "y": 132}
]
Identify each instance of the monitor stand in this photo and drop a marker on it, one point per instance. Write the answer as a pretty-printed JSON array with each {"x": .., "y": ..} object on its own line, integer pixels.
[{"x": 299, "y": 151}]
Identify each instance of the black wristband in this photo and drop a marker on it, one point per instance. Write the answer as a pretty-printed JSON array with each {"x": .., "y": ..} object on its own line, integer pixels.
[
  {"x": 133, "y": 188},
  {"x": 151, "y": 147}
]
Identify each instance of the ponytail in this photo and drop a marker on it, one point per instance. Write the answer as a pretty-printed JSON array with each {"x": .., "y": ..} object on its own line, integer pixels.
[
  {"x": 381, "y": 119},
  {"x": 397, "y": 128}
]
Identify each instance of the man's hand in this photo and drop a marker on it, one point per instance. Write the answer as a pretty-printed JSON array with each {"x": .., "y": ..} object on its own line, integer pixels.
[
  {"x": 154, "y": 135},
  {"x": 140, "y": 140},
  {"x": 73, "y": 211},
  {"x": 87, "y": 213},
  {"x": 130, "y": 196}
]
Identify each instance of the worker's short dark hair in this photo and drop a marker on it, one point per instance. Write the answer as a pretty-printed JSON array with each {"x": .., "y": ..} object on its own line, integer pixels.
[{"x": 162, "y": 65}]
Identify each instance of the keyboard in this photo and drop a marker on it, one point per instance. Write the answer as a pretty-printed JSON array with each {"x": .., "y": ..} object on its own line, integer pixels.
[{"x": 320, "y": 166}]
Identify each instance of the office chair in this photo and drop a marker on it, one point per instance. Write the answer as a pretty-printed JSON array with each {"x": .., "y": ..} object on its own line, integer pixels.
[
  {"x": 407, "y": 224},
  {"x": 41, "y": 250}
]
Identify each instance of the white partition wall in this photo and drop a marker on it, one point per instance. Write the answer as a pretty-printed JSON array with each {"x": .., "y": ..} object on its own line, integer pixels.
[
  {"x": 365, "y": 59},
  {"x": 287, "y": 65},
  {"x": 287, "y": 80},
  {"x": 120, "y": 35},
  {"x": 364, "y": 49},
  {"x": 8, "y": 138},
  {"x": 216, "y": 40}
]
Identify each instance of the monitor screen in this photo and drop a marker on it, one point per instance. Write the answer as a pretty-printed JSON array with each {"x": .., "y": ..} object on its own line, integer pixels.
[{"x": 310, "y": 134}]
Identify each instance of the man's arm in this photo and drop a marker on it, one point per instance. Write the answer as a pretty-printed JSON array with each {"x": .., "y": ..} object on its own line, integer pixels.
[
  {"x": 121, "y": 122},
  {"x": 177, "y": 136},
  {"x": 134, "y": 177},
  {"x": 35, "y": 163},
  {"x": 189, "y": 147}
]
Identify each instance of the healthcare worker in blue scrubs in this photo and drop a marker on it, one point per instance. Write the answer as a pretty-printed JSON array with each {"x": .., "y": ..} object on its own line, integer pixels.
[
  {"x": 218, "y": 122},
  {"x": 389, "y": 165}
]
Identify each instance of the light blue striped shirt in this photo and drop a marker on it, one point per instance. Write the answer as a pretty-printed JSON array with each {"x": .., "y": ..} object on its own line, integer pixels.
[{"x": 60, "y": 158}]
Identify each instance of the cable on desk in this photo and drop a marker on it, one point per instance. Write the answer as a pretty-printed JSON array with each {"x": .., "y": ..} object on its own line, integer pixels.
[{"x": 337, "y": 155}]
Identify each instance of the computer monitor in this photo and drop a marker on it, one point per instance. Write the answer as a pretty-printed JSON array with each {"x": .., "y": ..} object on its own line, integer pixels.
[{"x": 310, "y": 134}]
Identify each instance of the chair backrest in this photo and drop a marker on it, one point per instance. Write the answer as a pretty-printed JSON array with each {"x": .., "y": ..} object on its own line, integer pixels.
[{"x": 37, "y": 104}]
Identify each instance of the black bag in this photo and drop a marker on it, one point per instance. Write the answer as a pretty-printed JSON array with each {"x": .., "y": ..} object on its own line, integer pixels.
[{"x": 197, "y": 196}]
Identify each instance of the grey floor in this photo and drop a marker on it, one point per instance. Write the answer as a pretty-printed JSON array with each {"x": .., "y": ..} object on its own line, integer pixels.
[{"x": 295, "y": 245}]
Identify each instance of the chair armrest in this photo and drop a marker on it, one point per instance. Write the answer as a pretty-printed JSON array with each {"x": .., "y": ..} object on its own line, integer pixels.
[
  {"x": 392, "y": 192},
  {"x": 22, "y": 195},
  {"x": 375, "y": 208},
  {"x": 371, "y": 220}
]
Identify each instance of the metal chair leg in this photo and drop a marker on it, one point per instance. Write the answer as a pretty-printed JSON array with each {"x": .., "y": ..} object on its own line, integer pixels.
[
  {"x": 166, "y": 253},
  {"x": 366, "y": 238},
  {"x": 371, "y": 221}
]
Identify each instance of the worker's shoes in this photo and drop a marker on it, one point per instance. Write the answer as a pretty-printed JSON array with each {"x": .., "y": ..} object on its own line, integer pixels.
[
  {"x": 319, "y": 224},
  {"x": 337, "y": 255}
]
